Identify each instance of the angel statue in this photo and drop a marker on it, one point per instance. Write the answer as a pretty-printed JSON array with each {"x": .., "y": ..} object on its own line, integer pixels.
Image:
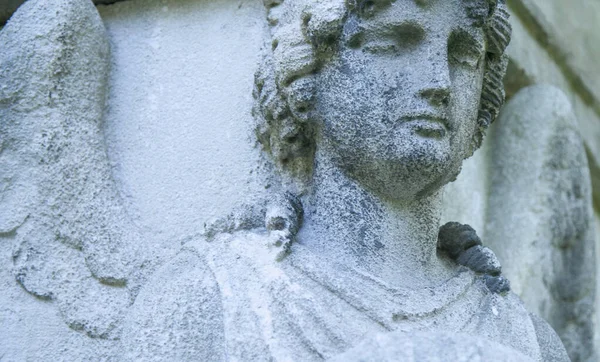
[{"x": 364, "y": 111}]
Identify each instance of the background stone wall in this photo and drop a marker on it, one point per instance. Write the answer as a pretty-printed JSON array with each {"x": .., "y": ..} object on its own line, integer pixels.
[{"x": 558, "y": 42}]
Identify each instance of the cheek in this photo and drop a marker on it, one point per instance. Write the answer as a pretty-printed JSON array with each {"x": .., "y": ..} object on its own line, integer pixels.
[
  {"x": 348, "y": 108},
  {"x": 464, "y": 105}
]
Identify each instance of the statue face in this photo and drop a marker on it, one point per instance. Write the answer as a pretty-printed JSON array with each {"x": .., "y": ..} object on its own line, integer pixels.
[{"x": 400, "y": 100}]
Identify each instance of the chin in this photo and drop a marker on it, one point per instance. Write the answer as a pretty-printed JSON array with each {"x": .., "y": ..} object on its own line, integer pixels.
[
  {"x": 401, "y": 166},
  {"x": 406, "y": 179}
]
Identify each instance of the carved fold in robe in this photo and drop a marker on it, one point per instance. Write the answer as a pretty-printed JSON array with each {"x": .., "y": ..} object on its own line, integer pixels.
[{"x": 230, "y": 299}]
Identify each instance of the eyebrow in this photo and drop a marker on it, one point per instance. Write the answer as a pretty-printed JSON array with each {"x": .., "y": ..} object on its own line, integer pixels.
[
  {"x": 424, "y": 3},
  {"x": 374, "y": 27}
]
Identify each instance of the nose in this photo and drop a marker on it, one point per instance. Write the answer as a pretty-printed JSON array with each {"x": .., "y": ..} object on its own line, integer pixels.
[
  {"x": 436, "y": 85},
  {"x": 437, "y": 94}
]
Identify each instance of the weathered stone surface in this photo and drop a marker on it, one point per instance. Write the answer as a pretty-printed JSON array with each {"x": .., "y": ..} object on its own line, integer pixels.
[
  {"x": 497, "y": 284},
  {"x": 8, "y": 7},
  {"x": 302, "y": 297},
  {"x": 421, "y": 347},
  {"x": 66, "y": 225},
  {"x": 454, "y": 238},
  {"x": 461, "y": 243},
  {"x": 178, "y": 121},
  {"x": 481, "y": 260},
  {"x": 568, "y": 32},
  {"x": 335, "y": 240}
]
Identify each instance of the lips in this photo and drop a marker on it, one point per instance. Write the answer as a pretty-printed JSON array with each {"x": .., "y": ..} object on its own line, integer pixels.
[{"x": 430, "y": 126}]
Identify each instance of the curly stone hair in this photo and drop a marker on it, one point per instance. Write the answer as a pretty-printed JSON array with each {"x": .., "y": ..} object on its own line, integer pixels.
[{"x": 305, "y": 35}]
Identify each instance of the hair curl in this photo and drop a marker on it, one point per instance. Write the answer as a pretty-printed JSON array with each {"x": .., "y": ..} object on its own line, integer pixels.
[{"x": 305, "y": 35}]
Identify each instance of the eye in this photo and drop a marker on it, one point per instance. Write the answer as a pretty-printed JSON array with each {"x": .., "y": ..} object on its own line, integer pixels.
[
  {"x": 380, "y": 47},
  {"x": 356, "y": 40},
  {"x": 408, "y": 34},
  {"x": 465, "y": 49},
  {"x": 353, "y": 32},
  {"x": 367, "y": 8}
]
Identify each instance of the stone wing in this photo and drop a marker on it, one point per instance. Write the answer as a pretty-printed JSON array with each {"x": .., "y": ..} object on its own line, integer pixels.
[
  {"x": 60, "y": 211},
  {"x": 540, "y": 216}
]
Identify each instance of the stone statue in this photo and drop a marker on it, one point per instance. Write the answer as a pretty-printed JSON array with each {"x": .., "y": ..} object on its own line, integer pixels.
[
  {"x": 365, "y": 110},
  {"x": 366, "y": 121}
]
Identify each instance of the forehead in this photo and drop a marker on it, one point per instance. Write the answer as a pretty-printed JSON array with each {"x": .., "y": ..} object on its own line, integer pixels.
[{"x": 430, "y": 14}]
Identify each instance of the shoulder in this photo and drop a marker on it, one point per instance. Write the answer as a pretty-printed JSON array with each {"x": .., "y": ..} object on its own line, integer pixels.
[
  {"x": 504, "y": 318},
  {"x": 551, "y": 346},
  {"x": 182, "y": 298},
  {"x": 430, "y": 346}
]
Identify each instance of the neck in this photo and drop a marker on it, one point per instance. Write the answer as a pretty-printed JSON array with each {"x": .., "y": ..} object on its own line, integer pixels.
[{"x": 393, "y": 241}]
